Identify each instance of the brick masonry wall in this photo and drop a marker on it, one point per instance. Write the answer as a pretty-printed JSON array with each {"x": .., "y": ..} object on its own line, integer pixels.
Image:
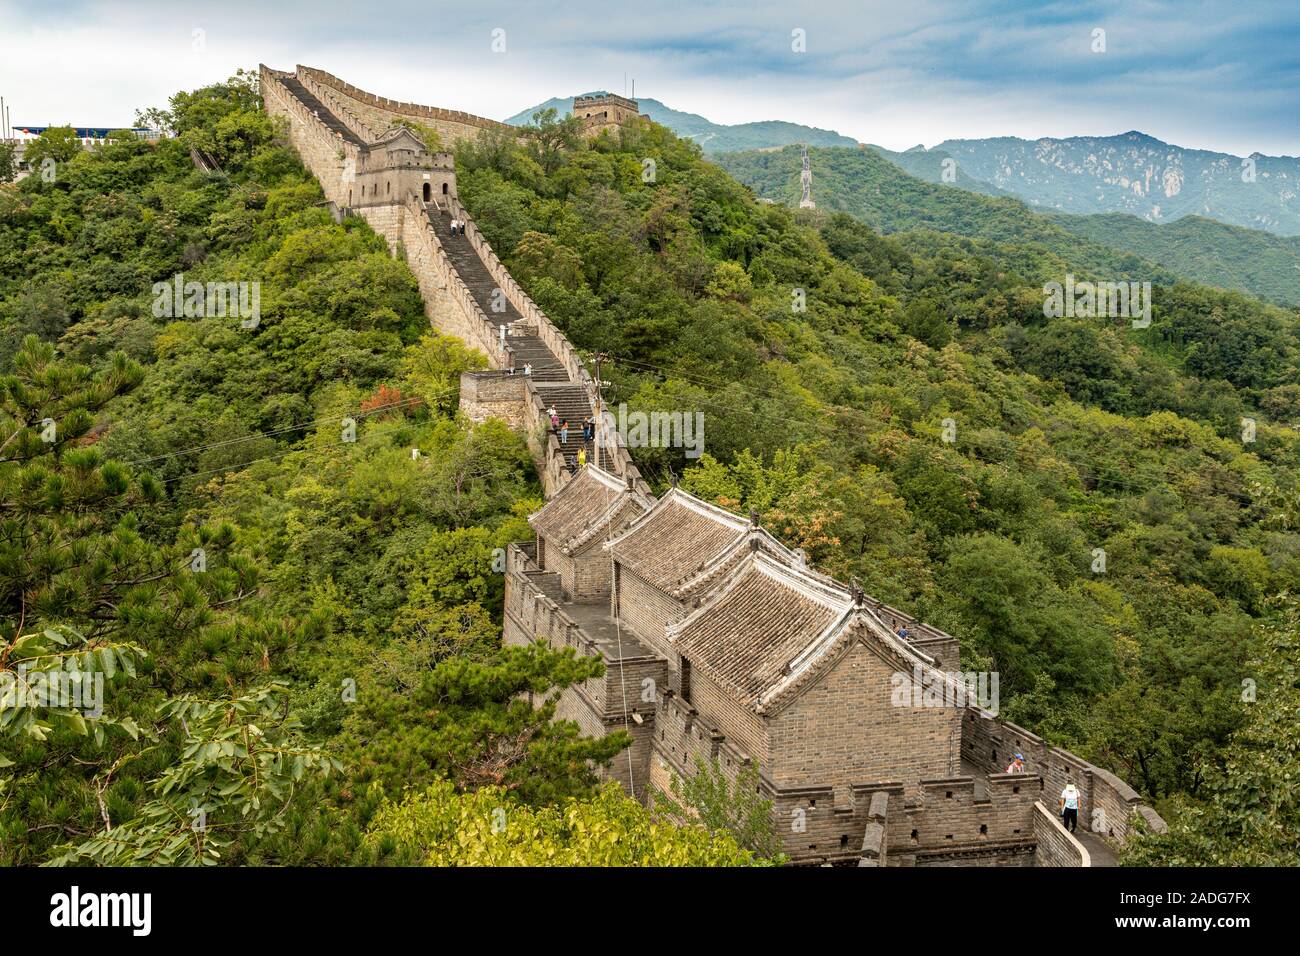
[
  {"x": 599, "y": 704},
  {"x": 322, "y": 152},
  {"x": 746, "y": 731},
  {"x": 593, "y": 573},
  {"x": 380, "y": 112},
  {"x": 1056, "y": 847},
  {"x": 647, "y": 611},
  {"x": 485, "y": 395},
  {"x": 845, "y": 730},
  {"x": 1106, "y": 804},
  {"x": 954, "y": 827}
]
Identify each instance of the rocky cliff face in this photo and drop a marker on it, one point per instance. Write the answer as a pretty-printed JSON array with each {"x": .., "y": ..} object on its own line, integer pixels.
[{"x": 1138, "y": 174}]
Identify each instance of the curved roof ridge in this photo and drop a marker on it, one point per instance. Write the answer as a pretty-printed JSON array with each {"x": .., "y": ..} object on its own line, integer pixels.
[
  {"x": 805, "y": 669},
  {"x": 676, "y": 496},
  {"x": 579, "y": 511},
  {"x": 794, "y": 578},
  {"x": 595, "y": 528},
  {"x": 752, "y": 538}
]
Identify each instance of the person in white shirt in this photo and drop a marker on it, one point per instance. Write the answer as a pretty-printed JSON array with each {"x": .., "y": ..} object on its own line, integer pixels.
[{"x": 1070, "y": 807}]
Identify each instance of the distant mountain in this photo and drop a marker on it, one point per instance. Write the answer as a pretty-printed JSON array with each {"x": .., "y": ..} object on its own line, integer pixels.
[
  {"x": 865, "y": 184},
  {"x": 1133, "y": 173},
  {"x": 936, "y": 166},
  {"x": 873, "y": 188},
  {"x": 712, "y": 137}
]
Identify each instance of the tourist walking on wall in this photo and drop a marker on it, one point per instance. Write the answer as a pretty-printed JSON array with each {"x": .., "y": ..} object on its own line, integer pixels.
[
  {"x": 564, "y": 432},
  {"x": 555, "y": 419},
  {"x": 1017, "y": 765},
  {"x": 1070, "y": 807},
  {"x": 582, "y": 458}
]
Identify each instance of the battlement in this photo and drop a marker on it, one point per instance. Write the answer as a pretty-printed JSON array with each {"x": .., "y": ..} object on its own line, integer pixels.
[
  {"x": 605, "y": 110},
  {"x": 606, "y": 99}
]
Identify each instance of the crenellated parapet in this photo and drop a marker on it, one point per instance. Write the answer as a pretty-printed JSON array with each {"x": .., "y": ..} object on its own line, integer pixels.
[
  {"x": 1107, "y": 805},
  {"x": 380, "y": 112}
]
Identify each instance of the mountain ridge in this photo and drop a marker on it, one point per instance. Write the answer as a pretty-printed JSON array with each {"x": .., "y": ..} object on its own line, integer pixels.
[
  {"x": 871, "y": 186},
  {"x": 712, "y": 137},
  {"x": 1130, "y": 172}
]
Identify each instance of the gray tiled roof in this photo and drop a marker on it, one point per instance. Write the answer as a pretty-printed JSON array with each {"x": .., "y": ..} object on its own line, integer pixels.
[
  {"x": 676, "y": 539},
  {"x": 592, "y": 505}
]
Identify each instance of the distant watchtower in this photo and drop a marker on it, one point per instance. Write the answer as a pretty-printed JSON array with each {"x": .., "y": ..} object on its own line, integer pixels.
[
  {"x": 805, "y": 178},
  {"x": 604, "y": 110}
]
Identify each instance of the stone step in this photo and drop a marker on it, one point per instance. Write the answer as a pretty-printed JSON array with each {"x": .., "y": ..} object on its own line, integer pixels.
[
  {"x": 308, "y": 99},
  {"x": 478, "y": 280}
]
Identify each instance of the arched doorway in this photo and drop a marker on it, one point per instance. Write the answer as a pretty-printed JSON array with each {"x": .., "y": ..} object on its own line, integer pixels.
[
  {"x": 428, "y": 193},
  {"x": 444, "y": 189}
]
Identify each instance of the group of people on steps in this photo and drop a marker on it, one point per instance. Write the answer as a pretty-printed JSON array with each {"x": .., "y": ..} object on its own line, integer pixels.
[{"x": 560, "y": 427}]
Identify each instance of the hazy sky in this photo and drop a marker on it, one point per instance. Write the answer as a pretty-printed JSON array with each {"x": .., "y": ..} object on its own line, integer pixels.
[{"x": 1217, "y": 75}]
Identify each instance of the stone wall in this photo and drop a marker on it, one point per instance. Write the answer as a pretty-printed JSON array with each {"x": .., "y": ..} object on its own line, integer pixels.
[
  {"x": 381, "y": 112},
  {"x": 647, "y": 611},
  {"x": 943, "y": 647},
  {"x": 598, "y": 705},
  {"x": 953, "y": 825},
  {"x": 404, "y": 224},
  {"x": 1107, "y": 804},
  {"x": 497, "y": 394},
  {"x": 845, "y": 729},
  {"x": 875, "y": 845},
  {"x": 1056, "y": 846},
  {"x": 325, "y": 153},
  {"x": 535, "y": 320},
  {"x": 746, "y": 731}
]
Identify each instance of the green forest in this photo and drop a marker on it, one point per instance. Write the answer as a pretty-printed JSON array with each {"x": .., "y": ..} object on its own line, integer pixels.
[
  {"x": 280, "y": 544},
  {"x": 901, "y": 192}
]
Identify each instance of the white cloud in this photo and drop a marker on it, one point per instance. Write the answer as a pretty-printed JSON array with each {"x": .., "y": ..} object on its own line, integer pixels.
[{"x": 887, "y": 73}]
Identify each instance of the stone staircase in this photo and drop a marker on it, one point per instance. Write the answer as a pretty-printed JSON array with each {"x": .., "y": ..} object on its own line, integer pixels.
[
  {"x": 528, "y": 349},
  {"x": 551, "y": 378},
  {"x": 548, "y": 373},
  {"x": 472, "y": 271},
  {"x": 309, "y": 100},
  {"x": 572, "y": 405}
]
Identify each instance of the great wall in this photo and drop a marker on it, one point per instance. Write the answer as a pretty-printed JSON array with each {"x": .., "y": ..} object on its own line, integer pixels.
[{"x": 721, "y": 646}]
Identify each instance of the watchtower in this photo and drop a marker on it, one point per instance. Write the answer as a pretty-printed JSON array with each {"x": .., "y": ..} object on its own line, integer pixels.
[
  {"x": 604, "y": 110},
  {"x": 398, "y": 164}
]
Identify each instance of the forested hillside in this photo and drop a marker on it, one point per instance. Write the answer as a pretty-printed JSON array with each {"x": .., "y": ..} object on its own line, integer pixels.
[
  {"x": 1205, "y": 250},
  {"x": 872, "y": 186},
  {"x": 293, "y": 629},
  {"x": 711, "y": 137},
  {"x": 1098, "y": 532},
  {"x": 1077, "y": 500}
]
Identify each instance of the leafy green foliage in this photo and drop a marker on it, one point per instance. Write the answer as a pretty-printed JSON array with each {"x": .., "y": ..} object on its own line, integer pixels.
[
  {"x": 724, "y": 805},
  {"x": 1249, "y": 815},
  {"x": 441, "y": 827},
  {"x": 51, "y": 680},
  {"x": 238, "y": 765}
]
